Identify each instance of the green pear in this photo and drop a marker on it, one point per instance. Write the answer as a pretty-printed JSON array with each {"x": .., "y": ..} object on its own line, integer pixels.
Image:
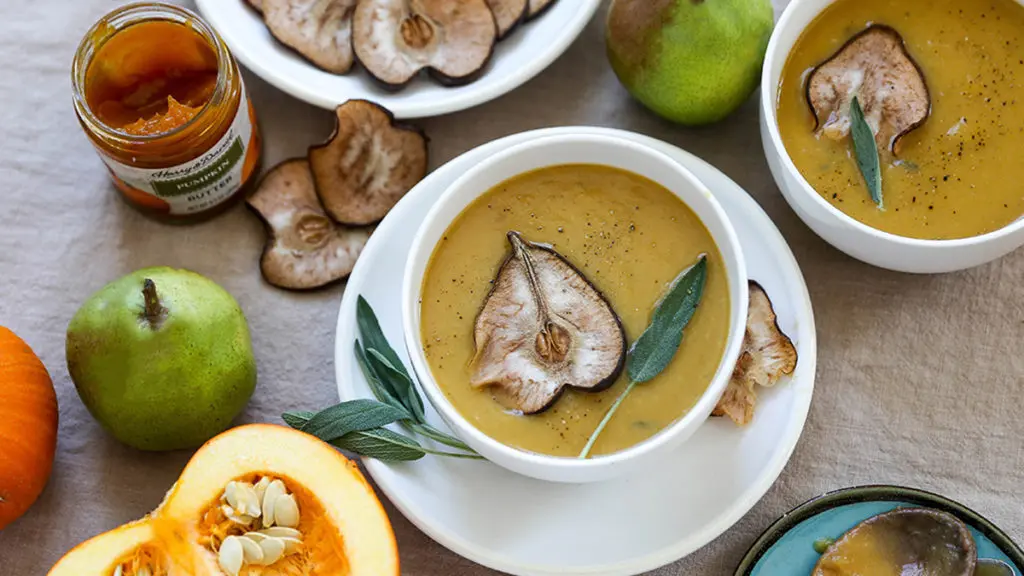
[
  {"x": 162, "y": 358},
  {"x": 691, "y": 61}
]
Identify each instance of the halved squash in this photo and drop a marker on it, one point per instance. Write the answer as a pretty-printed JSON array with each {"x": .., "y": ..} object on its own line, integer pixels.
[{"x": 257, "y": 500}]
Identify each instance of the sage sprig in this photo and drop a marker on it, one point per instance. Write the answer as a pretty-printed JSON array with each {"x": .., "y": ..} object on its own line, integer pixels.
[
  {"x": 654, "y": 349},
  {"x": 360, "y": 426},
  {"x": 866, "y": 151}
]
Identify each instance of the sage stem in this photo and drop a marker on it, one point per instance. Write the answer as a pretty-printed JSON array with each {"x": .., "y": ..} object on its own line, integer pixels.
[{"x": 604, "y": 421}]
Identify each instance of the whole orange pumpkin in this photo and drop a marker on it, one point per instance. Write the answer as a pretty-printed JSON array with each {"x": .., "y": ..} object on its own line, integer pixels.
[{"x": 28, "y": 426}]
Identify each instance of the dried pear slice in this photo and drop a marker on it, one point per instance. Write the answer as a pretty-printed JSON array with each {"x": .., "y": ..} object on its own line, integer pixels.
[
  {"x": 396, "y": 39},
  {"x": 875, "y": 66},
  {"x": 739, "y": 399},
  {"x": 368, "y": 164},
  {"x": 537, "y": 7},
  {"x": 319, "y": 30},
  {"x": 304, "y": 249},
  {"x": 772, "y": 351},
  {"x": 508, "y": 14},
  {"x": 767, "y": 355},
  {"x": 903, "y": 541},
  {"x": 543, "y": 328}
]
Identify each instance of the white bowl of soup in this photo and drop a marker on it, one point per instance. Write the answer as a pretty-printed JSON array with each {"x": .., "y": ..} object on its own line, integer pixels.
[
  {"x": 950, "y": 194},
  {"x": 606, "y": 221}
]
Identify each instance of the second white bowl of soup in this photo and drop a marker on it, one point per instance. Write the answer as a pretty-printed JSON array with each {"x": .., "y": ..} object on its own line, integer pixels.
[
  {"x": 937, "y": 81},
  {"x": 531, "y": 278}
]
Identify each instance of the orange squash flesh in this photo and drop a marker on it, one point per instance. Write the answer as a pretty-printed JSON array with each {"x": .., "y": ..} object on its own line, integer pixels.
[{"x": 344, "y": 528}]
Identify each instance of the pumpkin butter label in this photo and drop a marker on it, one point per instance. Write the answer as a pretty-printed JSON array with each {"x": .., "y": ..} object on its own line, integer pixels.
[
  {"x": 221, "y": 165},
  {"x": 198, "y": 184}
]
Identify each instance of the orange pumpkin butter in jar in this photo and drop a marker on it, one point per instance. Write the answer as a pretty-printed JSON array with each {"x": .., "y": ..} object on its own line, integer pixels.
[{"x": 163, "y": 102}]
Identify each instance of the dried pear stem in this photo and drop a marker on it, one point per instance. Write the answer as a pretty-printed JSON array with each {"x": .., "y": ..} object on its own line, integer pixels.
[
  {"x": 154, "y": 312},
  {"x": 552, "y": 343}
]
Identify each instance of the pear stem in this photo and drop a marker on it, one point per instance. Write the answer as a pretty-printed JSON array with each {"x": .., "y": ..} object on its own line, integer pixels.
[{"x": 154, "y": 311}]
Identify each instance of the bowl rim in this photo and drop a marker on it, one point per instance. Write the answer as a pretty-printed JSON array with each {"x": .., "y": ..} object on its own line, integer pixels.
[
  {"x": 873, "y": 493},
  {"x": 769, "y": 99},
  {"x": 411, "y": 290}
]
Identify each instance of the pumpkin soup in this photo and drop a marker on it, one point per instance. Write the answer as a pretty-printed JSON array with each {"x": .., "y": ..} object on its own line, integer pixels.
[
  {"x": 627, "y": 238},
  {"x": 948, "y": 171}
]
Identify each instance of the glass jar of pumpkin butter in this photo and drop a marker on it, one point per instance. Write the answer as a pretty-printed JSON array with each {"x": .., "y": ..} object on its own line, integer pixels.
[{"x": 162, "y": 100}]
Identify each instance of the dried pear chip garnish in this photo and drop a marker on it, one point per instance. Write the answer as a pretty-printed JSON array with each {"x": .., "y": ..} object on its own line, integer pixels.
[
  {"x": 876, "y": 67},
  {"x": 320, "y": 30},
  {"x": 508, "y": 14},
  {"x": 766, "y": 356},
  {"x": 305, "y": 249},
  {"x": 396, "y": 39},
  {"x": 368, "y": 164},
  {"x": 543, "y": 328},
  {"x": 739, "y": 399}
]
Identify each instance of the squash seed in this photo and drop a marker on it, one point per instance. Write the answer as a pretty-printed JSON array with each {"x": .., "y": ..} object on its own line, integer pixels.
[
  {"x": 229, "y": 513},
  {"x": 286, "y": 511},
  {"x": 291, "y": 545},
  {"x": 281, "y": 532},
  {"x": 231, "y": 555},
  {"x": 242, "y": 497},
  {"x": 273, "y": 550},
  {"x": 251, "y": 551},
  {"x": 261, "y": 488},
  {"x": 249, "y": 499},
  {"x": 256, "y": 537},
  {"x": 231, "y": 497},
  {"x": 274, "y": 491}
]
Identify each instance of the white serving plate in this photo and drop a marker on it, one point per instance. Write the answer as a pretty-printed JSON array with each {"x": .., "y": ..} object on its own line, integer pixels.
[
  {"x": 528, "y": 49},
  {"x": 626, "y": 526}
]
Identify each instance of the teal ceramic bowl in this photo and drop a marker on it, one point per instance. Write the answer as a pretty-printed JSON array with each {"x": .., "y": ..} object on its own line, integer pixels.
[{"x": 787, "y": 547}]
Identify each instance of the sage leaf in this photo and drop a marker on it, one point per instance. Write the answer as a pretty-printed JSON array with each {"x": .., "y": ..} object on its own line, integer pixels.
[
  {"x": 354, "y": 415},
  {"x": 654, "y": 349},
  {"x": 384, "y": 361},
  {"x": 358, "y": 426},
  {"x": 297, "y": 419},
  {"x": 385, "y": 394},
  {"x": 382, "y": 389},
  {"x": 373, "y": 337},
  {"x": 382, "y": 444},
  {"x": 866, "y": 151},
  {"x": 400, "y": 381}
]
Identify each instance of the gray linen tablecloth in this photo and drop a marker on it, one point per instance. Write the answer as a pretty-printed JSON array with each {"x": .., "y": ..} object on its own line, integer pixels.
[{"x": 919, "y": 377}]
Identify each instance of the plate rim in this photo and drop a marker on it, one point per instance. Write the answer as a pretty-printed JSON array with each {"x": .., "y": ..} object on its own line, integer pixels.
[
  {"x": 661, "y": 557},
  {"x": 873, "y": 493},
  {"x": 457, "y": 98}
]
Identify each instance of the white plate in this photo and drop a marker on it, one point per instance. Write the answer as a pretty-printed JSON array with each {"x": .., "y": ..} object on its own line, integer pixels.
[
  {"x": 628, "y": 526},
  {"x": 527, "y": 50}
]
